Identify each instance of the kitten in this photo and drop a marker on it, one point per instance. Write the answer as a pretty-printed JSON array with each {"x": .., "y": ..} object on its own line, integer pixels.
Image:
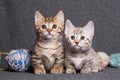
[
  {"x": 79, "y": 54},
  {"x": 48, "y": 51}
]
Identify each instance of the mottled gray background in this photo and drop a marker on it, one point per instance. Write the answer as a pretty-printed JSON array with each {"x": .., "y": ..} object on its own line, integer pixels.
[
  {"x": 17, "y": 30},
  {"x": 17, "y": 21}
]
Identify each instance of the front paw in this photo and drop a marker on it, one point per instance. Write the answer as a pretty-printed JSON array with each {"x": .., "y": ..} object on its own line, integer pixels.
[
  {"x": 40, "y": 70},
  {"x": 70, "y": 71},
  {"x": 86, "y": 70},
  {"x": 96, "y": 69},
  {"x": 57, "y": 69}
]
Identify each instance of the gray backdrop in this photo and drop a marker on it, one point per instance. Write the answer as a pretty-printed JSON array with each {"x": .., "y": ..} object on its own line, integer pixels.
[
  {"x": 17, "y": 21},
  {"x": 17, "y": 31}
]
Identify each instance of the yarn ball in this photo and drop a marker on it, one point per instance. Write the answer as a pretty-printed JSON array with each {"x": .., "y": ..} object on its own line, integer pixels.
[
  {"x": 115, "y": 60},
  {"x": 18, "y": 60}
]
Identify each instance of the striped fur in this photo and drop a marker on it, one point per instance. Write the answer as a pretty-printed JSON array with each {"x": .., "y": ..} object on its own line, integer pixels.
[
  {"x": 48, "y": 52},
  {"x": 79, "y": 55}
]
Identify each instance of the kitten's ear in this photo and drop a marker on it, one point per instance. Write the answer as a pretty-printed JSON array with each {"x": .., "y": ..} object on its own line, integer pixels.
[
  {"x": 89, "y": 28},
  {"x": 69, "y": 27},
  {"x": 59, "y": 17},
  {"x": 38, "y": 18}
]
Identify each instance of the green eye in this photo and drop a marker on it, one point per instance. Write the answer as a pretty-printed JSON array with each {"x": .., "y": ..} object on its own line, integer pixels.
[
  {"x": 82, "y": 38},
  {"x": 72, "y": 37},
  {"x": 44, "y": 26},
  {"x": 54, "y": 26}
]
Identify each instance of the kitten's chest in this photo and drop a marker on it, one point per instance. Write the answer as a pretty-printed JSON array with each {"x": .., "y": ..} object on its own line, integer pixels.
[
  {"x": 49, "y": 54},
  {"x": 48, "y": 58},
  {"x": 50, "y": 50},
  {"x": 78, "y": 62}
]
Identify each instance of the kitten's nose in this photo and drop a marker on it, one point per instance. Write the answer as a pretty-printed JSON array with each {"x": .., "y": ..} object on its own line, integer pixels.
[
  {"x": 76, "y": 42},
  {"x": 49, "y": 30}
]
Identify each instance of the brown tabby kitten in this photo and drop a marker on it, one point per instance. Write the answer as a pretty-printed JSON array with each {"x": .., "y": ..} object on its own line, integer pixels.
[
  {"x": 79, "y": 54},
  {"x": 48, "y": 51}
]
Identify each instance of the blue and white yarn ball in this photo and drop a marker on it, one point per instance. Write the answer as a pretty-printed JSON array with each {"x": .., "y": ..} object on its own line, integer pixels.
[{"x": 19, "y": 60}]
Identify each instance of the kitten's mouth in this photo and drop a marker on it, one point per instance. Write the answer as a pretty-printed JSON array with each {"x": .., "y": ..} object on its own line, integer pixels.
[
  {"x": 49, "y": 36},
  {"x": 77, "y": 47},
  {"x": 80, "y": 48}
]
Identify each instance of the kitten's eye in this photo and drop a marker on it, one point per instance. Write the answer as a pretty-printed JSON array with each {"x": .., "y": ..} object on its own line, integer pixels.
[
  {"x": 44, "y": 26},
  {"x": 72, "y": 37},
  {"x": 54, "y": 26},
  {"x": 82, "y": 38}
]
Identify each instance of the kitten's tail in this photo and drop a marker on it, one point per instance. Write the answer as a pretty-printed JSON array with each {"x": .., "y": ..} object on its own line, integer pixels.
[{"x": 105, "y": 58}]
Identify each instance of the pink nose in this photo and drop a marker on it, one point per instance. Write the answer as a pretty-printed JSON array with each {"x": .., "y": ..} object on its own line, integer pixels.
[
  {"x": 77, "y": 43},
  {"x": 49, "y": 30}
]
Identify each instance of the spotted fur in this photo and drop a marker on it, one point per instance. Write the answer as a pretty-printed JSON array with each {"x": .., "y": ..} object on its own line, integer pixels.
[
  {"x": 79, "y": 54},
  {"x": 48, "y": 52}
]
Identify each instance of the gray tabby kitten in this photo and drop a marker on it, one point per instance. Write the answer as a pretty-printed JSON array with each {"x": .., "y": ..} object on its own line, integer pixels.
[
  {"x": 48, "y": 52},
  {"x": 79, "y": 54}
]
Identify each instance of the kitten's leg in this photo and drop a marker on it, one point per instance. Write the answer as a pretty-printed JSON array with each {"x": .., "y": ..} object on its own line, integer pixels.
[
  {"x": 70, "y": 69},
  {"x": 97, "y": 65},
  {"x": 59, "y": 65},
  {"x": 93, "y": 65},
  {"x": 96, "y": 69},
  {"x": 86, "y": 68},
  {"x": 38, "y": 64},
  {"x": 102, "y": 60}
]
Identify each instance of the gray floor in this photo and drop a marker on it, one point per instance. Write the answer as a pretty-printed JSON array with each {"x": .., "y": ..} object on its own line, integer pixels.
[{"x": 107, "y": 74}]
